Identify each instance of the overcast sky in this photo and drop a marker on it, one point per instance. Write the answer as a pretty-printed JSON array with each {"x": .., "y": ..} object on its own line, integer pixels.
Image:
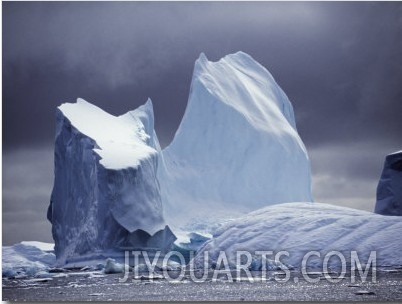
[{"x": 339, "y": 63}]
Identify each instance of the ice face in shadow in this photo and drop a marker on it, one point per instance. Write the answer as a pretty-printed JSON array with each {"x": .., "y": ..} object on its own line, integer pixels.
[
  {"x": 237, "y": 148},
  {"x": 105, "y": 188},
  {"x": 389, "y": 190}
]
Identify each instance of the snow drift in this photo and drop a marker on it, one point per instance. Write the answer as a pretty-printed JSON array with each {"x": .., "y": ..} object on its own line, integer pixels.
[
  {"x": 389, "y": 190},
  {"x": 237, "y": 148},
  {"x": 301, "y": 227},
  {"x": 106, "y": 194}
]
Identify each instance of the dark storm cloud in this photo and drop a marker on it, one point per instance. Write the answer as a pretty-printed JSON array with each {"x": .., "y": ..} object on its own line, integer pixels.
[
  {"x": 339, "y": 63},
  {"x": 116, "y": 55}
]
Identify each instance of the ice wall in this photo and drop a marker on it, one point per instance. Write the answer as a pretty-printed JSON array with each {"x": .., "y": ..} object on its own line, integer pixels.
[
  {"x": 389, "y": 190},
  {"x": 105, "y": 188}
]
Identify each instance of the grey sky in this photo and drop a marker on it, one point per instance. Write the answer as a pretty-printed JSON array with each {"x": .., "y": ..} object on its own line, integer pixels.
[{"x": 340, "y": 64}]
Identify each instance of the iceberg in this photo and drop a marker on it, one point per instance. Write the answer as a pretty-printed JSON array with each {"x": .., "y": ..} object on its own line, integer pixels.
[
  {"x": 235, "y": 177},
  {"x": 389, "y": 190},
  {"x": 27, "y": 259},
  {"x": 106, "y": 194},
  {"x": 236, "y": 150},
  {"x": 114, "y": 267},
  {"x": 299, "y": 228}
]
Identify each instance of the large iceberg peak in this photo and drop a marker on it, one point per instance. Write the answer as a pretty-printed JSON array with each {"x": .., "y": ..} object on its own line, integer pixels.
[
  {"x": 246, "y": 86},
  {"x": 237, "y": 147}
]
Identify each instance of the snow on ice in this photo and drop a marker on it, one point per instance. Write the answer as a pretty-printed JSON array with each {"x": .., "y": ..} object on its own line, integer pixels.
[{"x": 302, "y": 227}]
